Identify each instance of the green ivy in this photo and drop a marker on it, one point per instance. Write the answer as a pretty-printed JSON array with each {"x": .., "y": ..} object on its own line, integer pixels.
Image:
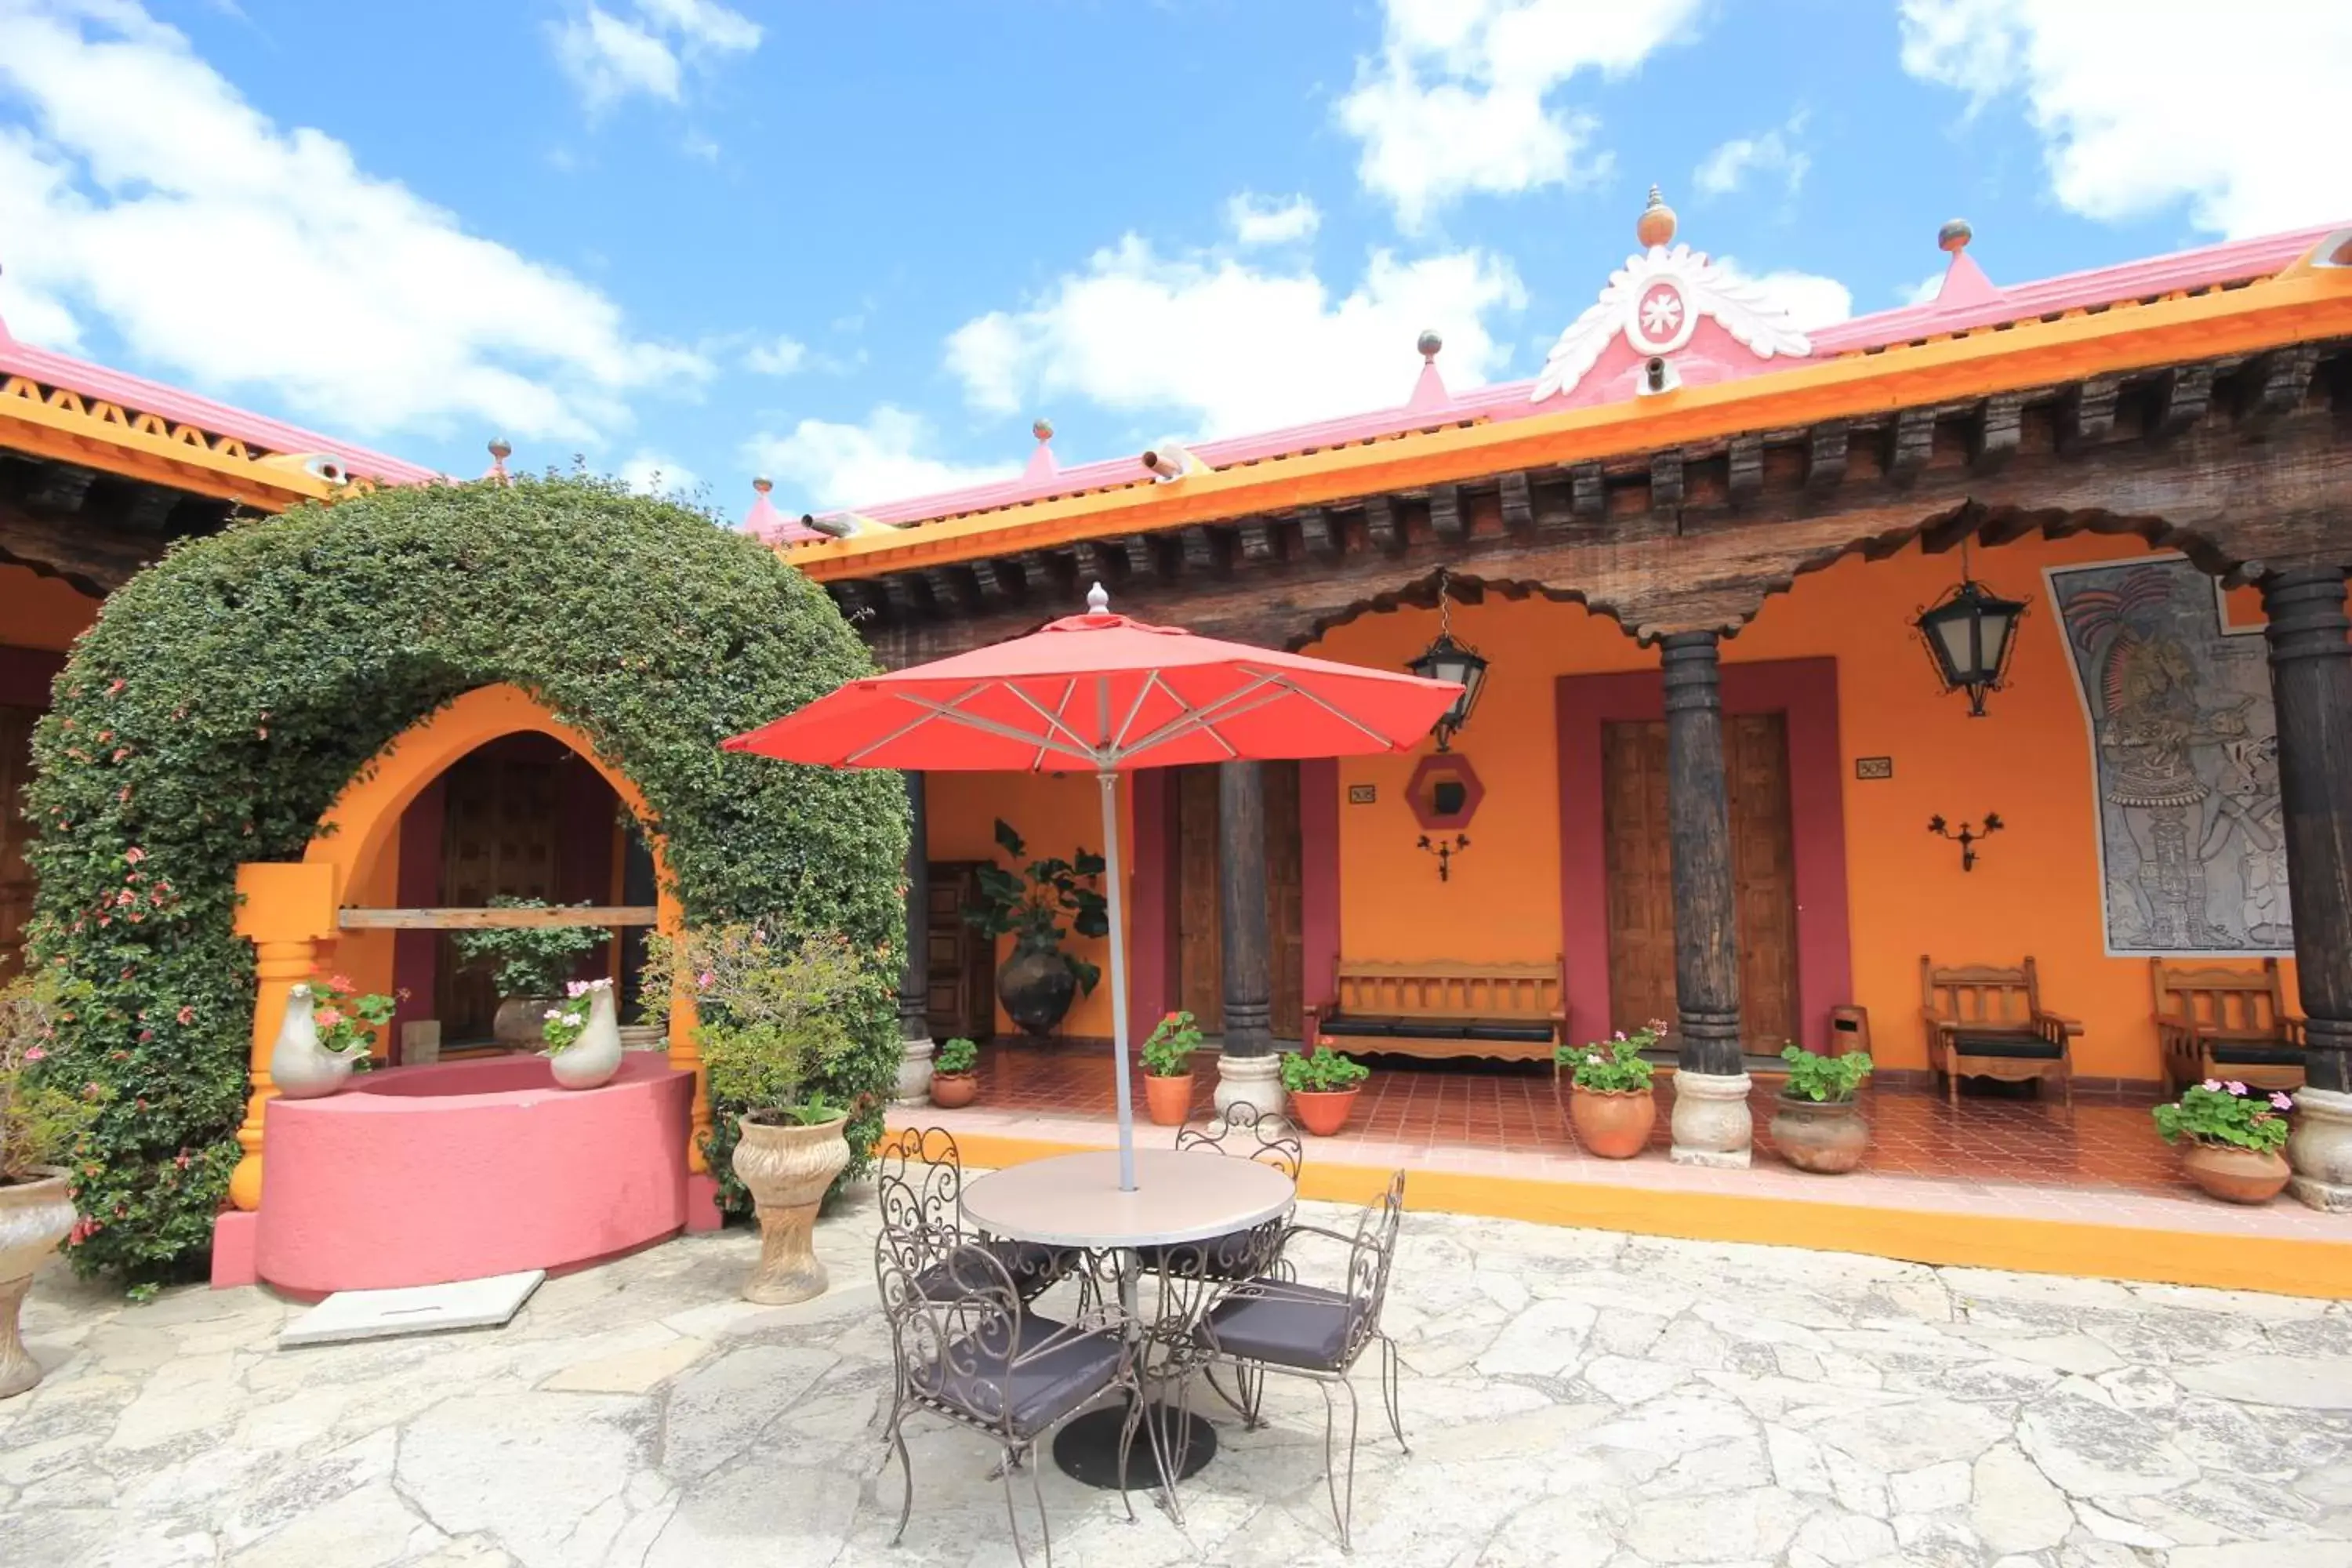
[{"x": 229, "y": 693}]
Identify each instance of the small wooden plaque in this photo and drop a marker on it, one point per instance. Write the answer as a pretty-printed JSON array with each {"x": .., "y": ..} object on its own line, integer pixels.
[
  {"x": 1874, "y": 767},
  {"x": 1362, "y": 795}
]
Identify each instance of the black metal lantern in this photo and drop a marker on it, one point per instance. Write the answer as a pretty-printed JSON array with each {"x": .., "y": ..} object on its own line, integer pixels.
[
  {"x": 1448, "y": 659},
  {"x": 1970, "y": 633}
]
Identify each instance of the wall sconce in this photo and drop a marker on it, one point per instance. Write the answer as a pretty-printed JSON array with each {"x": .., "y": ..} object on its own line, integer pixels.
[
  {"x": 1445, "y": 853},
  {"x": 1968, "y": 837}
]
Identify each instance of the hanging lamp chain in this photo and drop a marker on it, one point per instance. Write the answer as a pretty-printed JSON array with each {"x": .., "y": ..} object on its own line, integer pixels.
[{"x": 1444, "y": 606}]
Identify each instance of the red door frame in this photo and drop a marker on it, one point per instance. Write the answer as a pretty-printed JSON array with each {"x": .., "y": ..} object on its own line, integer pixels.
[{"x": 1805, "y": 691}]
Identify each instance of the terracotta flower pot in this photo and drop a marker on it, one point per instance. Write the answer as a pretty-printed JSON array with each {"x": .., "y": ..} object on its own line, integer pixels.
[
  {"x": 788, "y": 1168},
  {"x": 1170, "y": 1099},
  {"x": 1323, "y": 1113},
  {"x": 1828, "y": 1136},
  {"x": 950, "y": 1089},
  {"x": 2232, "y": 1174},
  {"x": 35, "y": 1216},
  {"x": 1614, "y": 1126}
]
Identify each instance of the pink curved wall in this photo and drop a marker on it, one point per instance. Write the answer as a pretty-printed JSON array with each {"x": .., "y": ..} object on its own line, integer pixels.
[{"x": 424, "y": 1174}]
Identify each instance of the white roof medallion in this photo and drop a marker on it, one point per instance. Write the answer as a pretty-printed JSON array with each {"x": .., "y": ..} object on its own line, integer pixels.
[{"x": 1655, "y": 299}]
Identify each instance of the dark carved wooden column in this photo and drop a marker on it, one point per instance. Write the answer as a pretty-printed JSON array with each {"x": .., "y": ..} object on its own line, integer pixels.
[
  {"x": 915, "y": 979},
  {"x": 1246, "y": 1069},
  {"x": 1711, "y": 1122},
  {"x": 2311, "y": 684}
]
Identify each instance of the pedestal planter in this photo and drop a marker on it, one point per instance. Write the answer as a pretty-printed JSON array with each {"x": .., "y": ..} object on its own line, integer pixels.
[
  {"x": 35, "y": 1216},
  {"x": 1036, "y": 988},
  {"x": 1322, "y": 1112},
  {"x": 914, "y": 1084},
  {"x": 2232, "y": 1174},
  {"x": 593, "y": 1059},
  {"x": 516, "y": 1023},
  {"x": 2320, "y": 1148},
  {"x": 1612, "y": 1126},
  {"x": 1170, "y": 1099},
  {"x": 788, "y": 1167},
  {"x": 1711, "y": 1121},
  {"x": 1255, "y": 1081},
  {"x": 951, "y": 1089},
  {"x": 299, "y": 1067},
  {"x": 1827, "y": 1136}
]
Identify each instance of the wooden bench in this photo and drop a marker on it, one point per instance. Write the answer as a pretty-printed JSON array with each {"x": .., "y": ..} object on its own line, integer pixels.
[
  {"x": 2226, "y": 1024},
  {"x": 1509, "y": 1012},
  {"x": 1987, "y": 1021}
]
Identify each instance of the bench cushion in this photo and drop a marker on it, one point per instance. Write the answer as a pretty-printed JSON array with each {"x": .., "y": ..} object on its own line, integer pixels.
[
  {"x": 1372, "y": 1028},
  {"x": 2253, "y": 1053},
  {"x": 2021, "y": 1048}
]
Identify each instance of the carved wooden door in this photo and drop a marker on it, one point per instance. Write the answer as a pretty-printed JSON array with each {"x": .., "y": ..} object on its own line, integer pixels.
[
  {"x": 1640, "y": 874},
  {"x": 16, "y": 832},
  {"x": 498, "y": 837},
  {"x": 960, "y": 961},
  {"x": 1199, "y": 926}
]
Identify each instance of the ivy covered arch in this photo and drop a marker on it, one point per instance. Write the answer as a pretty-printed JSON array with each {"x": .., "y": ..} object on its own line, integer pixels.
[{"x": 227, "y": 694}]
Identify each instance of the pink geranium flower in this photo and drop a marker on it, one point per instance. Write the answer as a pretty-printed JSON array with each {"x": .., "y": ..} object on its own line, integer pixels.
[
  {"x": 2279, "y": 1101},
  {"x": 2237, "y": 1087},
  {"x": 2212, "y": 1083},
  {"x": 329, "y": 1016}
]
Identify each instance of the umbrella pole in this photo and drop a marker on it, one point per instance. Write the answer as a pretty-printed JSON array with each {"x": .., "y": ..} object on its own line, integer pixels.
[{"x": 1109, "y": 781}]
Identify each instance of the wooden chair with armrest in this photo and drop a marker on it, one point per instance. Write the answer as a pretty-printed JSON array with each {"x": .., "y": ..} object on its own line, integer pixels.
[
  {"x": 1983, "y": 1021},
  {"x": 2226, "y": 1024}
]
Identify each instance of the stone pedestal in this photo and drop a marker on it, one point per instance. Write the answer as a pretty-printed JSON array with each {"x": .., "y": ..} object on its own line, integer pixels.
[
  {"x": 914, "y": 1086},
  {"x": 1712, "y": 1125},
  {"x": 1256, "y": 1079},
  {"x": 2320, "y": 1150}
]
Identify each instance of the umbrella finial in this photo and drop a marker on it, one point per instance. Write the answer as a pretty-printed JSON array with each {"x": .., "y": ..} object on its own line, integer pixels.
[{"x": 1097, "y": 601}]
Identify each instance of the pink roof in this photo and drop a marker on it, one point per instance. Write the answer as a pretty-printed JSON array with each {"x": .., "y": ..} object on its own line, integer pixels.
[
  {"x": 174, "y": 406},
  {"x": 1967, "y": 299}
]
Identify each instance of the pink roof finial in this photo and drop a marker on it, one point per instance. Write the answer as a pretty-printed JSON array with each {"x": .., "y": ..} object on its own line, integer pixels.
[
  {"x": 1042, "y": 464},
  {"x": 1964, "y": 282},
  {"x": 769, "y": 526},
  {"x": 1429, "y": 394},
  {"x": 500, "y": 450}
]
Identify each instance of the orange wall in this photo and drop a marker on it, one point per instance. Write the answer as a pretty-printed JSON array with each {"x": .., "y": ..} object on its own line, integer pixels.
[
  {"x": 41, "y": 612},
  {"x": 2034, "y": 891}
]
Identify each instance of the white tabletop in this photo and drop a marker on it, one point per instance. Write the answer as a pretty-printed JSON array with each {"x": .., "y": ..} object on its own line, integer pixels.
[{"x": 1073, "y": 1200}]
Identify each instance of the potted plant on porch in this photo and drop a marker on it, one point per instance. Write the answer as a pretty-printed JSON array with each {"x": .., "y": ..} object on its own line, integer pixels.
[
  {"x": 768, "y": 1019},
  {"x": 2231, "y": 1137},
  {"x": 1322, "y": 1087},
  {"x": 955, "y": 1078},
  {"x": 1168, "y": 1068},
  {"x": 1818, "y": 1125},
  {"x": 1041, "y": 980},
  {"x": 531, "y": 963},
  {"x": 1609, "y": 1103},
  {"x": 40, "y": 1121}
]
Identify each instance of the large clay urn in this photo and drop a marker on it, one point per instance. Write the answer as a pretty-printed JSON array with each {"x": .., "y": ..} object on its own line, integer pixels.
[
  {"x": 35, "y": 1216},
  {"x": 517, "y": 1023},
  {"x": 1613, "y": 1126},
  {"x": 1036, "y": 988},
  {"x": 788, "y": 1167},
  {"x": 1825, "y": 1136}
]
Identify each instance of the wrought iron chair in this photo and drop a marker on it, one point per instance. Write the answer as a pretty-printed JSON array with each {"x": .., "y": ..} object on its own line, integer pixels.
[
  {"x": 964, "y": 1345},
  {"x": 920, "y": 1180},
  {"x": 1238, "y": 1131},
  {"x": 1275, "y": 1323}
]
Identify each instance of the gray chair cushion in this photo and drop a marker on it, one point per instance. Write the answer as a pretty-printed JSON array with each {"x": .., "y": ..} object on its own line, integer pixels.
[
  {"x": 1298, "y": 1325},
  {"x": 2019, "y": 1047},
  {"x": 979, "y": 1380},
  {"x": 1033, "y": 1265}
]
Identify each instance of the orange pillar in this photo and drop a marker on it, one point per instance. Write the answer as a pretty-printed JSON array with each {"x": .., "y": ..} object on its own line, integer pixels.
[{"x": 285, "y": 911}]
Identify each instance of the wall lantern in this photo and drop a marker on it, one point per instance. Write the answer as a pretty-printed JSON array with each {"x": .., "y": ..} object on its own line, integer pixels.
[
  {"x": 1970, "y": 633},
  {"x": 1446, "y": 659}
]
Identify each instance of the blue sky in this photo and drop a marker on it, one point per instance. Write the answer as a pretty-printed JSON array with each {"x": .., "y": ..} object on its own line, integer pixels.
[{"x": 861, "y": 247}]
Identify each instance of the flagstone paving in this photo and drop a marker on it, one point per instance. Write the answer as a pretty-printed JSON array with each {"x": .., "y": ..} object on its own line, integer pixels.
[{"x": 1575, "y": 1399}]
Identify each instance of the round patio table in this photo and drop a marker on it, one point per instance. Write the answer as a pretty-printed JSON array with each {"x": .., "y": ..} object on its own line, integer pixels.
[{"x": 1073, "y": 1200}]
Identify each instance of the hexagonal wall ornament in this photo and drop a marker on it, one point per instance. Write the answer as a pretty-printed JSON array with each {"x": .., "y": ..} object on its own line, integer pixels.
[{"x": 1445, "y": 792}]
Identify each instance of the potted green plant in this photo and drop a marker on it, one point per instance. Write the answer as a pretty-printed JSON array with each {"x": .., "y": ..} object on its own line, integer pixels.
[
  {"x": 2231, "y": 1138},
  {"x": 1611, "y": 1105},
  {"x": 40, "y": 1122},
  {"x": 1039, "y": 907},
  {"x": 770, "y": 1022},
  {"x": 1818, "y": 1124},
  {"x": 955, "y": 1078},
  {"x": 529, "y": 966},
  {"x": 1168, "y": 1068},
  {"x": 1322, "y": 1087}
]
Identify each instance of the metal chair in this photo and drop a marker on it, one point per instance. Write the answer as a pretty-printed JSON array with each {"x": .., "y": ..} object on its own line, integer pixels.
[
  {"x": 920, "y": 1183},
  {"x": 1275, "y": 1323},
  {"x": 1238, "y": 1131},
  {"x": 965, "y": 1346}
]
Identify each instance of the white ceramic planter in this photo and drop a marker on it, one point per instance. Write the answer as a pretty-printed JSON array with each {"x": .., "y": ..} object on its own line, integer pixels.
[
  {"x": 299, "y": 1067},
  {"x": 34, "y": 1218},
  {"x": 593, "y": 1059}
]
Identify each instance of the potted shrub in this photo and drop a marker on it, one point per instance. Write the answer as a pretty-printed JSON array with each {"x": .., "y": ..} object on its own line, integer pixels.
[
  {"x": 583, "y": 1037},
  {"x": 40, "y": 1122},
  {"x": 1818, "y": 1125},
  {"x": 1168, "y": 1068},
  {"x": 329, "y": 1032},
  {"x": 1609, "y": 1103},
  {"x": 955, "y": 1076},
  {"x": 1322, "y": 1087},
  {"x": 2231, "y": 1139},
  {"x": 529, "y": 965},
  {"x": 768, "y": 1019},
  {"x": 1040, "y": 981}
]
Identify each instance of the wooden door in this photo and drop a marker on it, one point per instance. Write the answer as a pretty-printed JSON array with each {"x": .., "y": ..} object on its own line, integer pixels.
[
  {"x": 498, "y": 837},
  {"x": 15, "y": 833},
  {"x": 1200, "y": 925},
  {"x": 960, "y": 963},
  {"x": 1639, "y": 847}
]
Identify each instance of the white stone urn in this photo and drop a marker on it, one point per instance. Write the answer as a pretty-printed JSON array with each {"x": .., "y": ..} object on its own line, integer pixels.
[
  {"x": 299, "y": 1066},
  {"x": 35, "y": 1216},
  {"x": 788, "y": 1167},
  {"x": 591, "y": 1060},
  {"x": 914, "y": 1084}
]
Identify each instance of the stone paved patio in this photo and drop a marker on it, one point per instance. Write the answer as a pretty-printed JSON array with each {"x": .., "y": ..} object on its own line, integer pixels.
[{"x": 1574, "y": 1398}]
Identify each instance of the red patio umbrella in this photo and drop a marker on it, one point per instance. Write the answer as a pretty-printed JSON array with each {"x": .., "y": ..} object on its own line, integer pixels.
[{"x": 1102, "y": 692}]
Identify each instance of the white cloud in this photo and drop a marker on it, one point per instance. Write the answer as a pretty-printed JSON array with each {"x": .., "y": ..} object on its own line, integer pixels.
[
  {"x": 2122, "y": 95},
  {"x": 139, "y": 188},
  {"x": 1263, "y": 220},
  {"x": 884, "y": 460},
  {"x": 31, "y": 315},
  {"x": 1460, "y": 99},
  {"x": 1924, "y": 292},
  {"x": 609, "y": 56},
  {"x": 1812, "y": 301},
  {"x": 651, "y": 474},
  {"x": 779, "y": 355},
  {"x": 1726, "y": 168},
  {"x": 1230, "y": 347}
]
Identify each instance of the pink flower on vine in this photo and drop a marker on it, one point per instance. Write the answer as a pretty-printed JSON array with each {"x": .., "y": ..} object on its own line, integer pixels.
[
  {"x": 115, "y": 688},
  {"x": 187, "y": 1015},
  {"x": 705, "y": 980},
  {"x": 329, "y": 1016},
  {"x": 133, "y": 856},
  {"x": 35, "y": 1054}
]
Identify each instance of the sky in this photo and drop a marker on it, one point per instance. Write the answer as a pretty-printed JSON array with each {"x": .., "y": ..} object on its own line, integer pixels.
[{"x": 860, "y": 247}]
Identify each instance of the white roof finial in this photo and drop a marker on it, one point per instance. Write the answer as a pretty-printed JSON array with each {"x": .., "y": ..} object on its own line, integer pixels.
[{"x": 1097, "y": 601}]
